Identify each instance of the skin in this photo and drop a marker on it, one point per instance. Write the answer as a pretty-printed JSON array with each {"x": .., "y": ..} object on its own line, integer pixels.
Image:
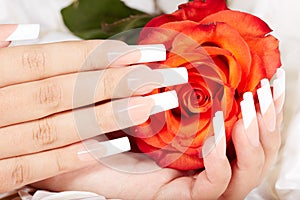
[
  {"x": 40, "y": 80},
  {"x": 220, "y": 179}
]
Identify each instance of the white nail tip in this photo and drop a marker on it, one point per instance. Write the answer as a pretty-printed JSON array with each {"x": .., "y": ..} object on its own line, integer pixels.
[
  {"x": 174, "y": 76},
  {"x": 164, "y": 101},
  {"x": 116, "y": 146},
  {"x": 248, "y": 109},
  {"x": 219, "y": 127},
  {"x": 151, "y": 53},
  {"x": 279, "y": 84},
  {"x": 25, "y": 32},
  {"x": 264, "y": 96}
]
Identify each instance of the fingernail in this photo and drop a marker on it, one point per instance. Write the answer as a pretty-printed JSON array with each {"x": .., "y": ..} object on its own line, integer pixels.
[
  {"x": 141, "y": 53},
  {"x": 220, "y": 137},
  {"x": 95, "y": 149},
  {"x": 164, "y": 101},
  {"x": 151, "y": 52},
  {"x": 144, "y": 80},
  {"x": 279, "y": 90},
  {"x": 250, "y": 119},
  {"x": 173, "y": 76},
  {"x": 209, "y": 146},
  {"x": 266, "y": 105},
  {"x": 15, "y": 32},
  {"x": 137, "y": 110}
]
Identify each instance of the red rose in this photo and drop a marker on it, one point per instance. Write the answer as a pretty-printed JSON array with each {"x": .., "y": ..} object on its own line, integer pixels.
[{"x": 240, "y": 53}]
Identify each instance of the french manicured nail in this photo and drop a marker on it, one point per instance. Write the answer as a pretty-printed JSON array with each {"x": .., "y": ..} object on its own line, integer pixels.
[
  {"x": 151, "y": 52},
  {"x": 164, "y": 101},
  {"x": 208, "y": 147},
  {"x": 15, "y": 32},
  {"x": 137, "y": 110},
  {"x": 266, "y": 104},
  {"x": 220, "y": 137},
  {"x": 173, "y": 76},
  {"x": 147, "y": 53},
  {"x": 250, "y": 119},
  {"x": 95, "y": 149},
  {"x": 279, "y": 90},
  {"x": 144, "y": 79}
]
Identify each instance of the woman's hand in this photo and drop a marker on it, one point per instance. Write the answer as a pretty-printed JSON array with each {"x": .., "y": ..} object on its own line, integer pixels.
[
  {"x": 40, "y": 85},
  {"x": 256, "y": 139}
]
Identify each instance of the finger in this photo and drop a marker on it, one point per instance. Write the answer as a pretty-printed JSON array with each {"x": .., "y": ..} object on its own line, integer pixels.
[
  {"x": 42, "y": 98},
  {"x": 69, "y": 127},
  {"x": 279, "y": 90},
  {"x": 14, "y": 32},
  {"x": 4, "y": 44},
  {"x": 213, "y": 181},
  {"x": 250, "y": 155},
  {"x": 20, "y": 171},
  {"x": 268, "y": 126},
  {"x": 28, "y": 63}
]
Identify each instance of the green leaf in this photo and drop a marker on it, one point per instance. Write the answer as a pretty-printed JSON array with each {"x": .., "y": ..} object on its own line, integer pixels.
[{"x": 93, "y": 19}]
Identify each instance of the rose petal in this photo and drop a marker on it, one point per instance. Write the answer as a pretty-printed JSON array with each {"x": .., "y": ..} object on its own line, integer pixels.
[
  {"x": 235, "y": 72},
  {"x": 257, "y": 73},
  {"x": 219, "y": 34},
  {"x": 246, "y": 25},
  {"x": 195, "y": 11},
  {"x": 267, "y": 49}
]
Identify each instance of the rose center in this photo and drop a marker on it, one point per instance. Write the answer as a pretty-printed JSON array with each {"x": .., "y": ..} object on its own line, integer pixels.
[{"x": 197, "y": 101}]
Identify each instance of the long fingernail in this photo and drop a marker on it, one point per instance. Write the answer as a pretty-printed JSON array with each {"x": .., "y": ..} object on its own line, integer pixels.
[
  {"x": 151, "y": 52},
  {"x": 220, "y": 137},
  {"x": 266, "y": 104},
  {"x": 164, "y": 101},
  {"x": 137, "y": 110},
  {"x": 250, "y": 119},
  {"x": 15, "y": 32},
  {"x": 94, "y": 149},
  {"x": 208, "y": 147},
  {"x": 144, "y": 80},
  {"x": 279, "y": 90},
  {"x": 145, "y": 53}
]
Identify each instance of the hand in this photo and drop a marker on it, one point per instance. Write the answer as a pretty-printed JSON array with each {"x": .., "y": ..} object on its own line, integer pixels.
[
  {"x": 256, "y": 146},
  {"x": 40, "y": 85}
]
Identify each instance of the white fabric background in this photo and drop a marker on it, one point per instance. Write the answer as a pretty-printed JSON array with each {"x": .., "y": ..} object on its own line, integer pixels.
[{"x": 283, "y": 17}]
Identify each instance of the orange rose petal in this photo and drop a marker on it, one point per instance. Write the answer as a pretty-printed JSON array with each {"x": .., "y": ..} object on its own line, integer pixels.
[
  {"x": 267, "y": 49},
  {"x": 181, "y": 161},
  {"x": 246, "y": 25},
  {"x": 235, "y": 72},
  {"x": 221, "y": 35},
  {"x": 257, "y": 73},
  {"x": 227, "y": 100}
]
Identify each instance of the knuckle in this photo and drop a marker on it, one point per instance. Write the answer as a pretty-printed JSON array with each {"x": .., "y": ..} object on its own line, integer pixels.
[
  {"x": 107, "y": 84},
  {"x": 4, "y": 104},
  {"x": 44, "y": 133},
  {"x": 20, "y": 172},
  {"x": 49, "y": 95},
  {"x": 104, "y": 120},
  {"x": 33, "y": 61},
  {"x": 86, "y": 53},
  {"x": 60, "y": 162}
]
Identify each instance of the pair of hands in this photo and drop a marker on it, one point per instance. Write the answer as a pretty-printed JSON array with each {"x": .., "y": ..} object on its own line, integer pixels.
[
  {"x": 220, "y": 179},
  {"x": 40, "y": 140}
]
